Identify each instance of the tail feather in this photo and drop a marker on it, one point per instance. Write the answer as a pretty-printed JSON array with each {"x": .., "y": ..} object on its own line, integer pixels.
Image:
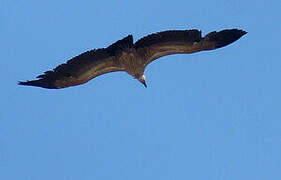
[{"x": 39, "y": 83}]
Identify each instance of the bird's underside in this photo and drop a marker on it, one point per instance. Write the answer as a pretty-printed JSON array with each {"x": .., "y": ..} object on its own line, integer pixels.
[{"x": 125, "y": 55}]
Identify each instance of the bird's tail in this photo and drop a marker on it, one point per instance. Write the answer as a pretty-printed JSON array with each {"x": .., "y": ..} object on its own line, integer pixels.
[
  {"x": 38, "y": 83},
  {"x": 224, "y": 37}
]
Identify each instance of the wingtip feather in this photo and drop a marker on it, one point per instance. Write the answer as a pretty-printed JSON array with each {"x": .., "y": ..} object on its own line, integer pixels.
[
  {"x": 38, "y": 83},
  {"x": 225, "y": 37}
]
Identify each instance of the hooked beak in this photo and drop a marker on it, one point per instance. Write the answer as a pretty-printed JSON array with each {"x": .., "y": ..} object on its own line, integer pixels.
[
  {"x": 144, "y": 84},
  {"x": 142, "y": 80}
]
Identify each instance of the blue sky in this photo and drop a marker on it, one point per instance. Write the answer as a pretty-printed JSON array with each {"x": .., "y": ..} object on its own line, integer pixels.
[{"x": 211, "y": 115}]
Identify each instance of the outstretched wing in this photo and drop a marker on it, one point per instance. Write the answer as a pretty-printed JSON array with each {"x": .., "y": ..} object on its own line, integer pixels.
[
  {"x": 83, "y": 67},
  {"x": 165, "y": 43}
]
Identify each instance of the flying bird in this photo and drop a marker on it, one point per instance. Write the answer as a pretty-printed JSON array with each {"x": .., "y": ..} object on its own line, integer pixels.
[{"x": 125, "y": 55}]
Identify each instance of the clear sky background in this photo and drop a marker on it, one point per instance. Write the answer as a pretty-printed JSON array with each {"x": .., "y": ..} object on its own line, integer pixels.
[{"x": 210, "y": 116}]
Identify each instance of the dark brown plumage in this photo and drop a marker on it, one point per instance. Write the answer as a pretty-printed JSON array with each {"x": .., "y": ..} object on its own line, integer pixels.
[{"x": 125, "y": 55}]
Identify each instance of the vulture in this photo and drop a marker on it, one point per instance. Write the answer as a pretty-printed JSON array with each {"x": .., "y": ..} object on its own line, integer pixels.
[{"x": 125, "y": 55}]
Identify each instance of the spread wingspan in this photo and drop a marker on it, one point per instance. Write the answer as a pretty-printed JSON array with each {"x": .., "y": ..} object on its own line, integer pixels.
[{"x": 124, "y": 55}]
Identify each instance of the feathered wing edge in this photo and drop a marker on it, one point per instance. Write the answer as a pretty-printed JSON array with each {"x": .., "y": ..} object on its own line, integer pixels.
[
  {"x": 192, "y": 35},
  {"x": 72, "y": 66}
]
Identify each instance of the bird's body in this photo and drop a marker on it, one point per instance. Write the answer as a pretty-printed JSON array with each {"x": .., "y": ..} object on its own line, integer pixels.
[{"x": 125, "y": 55}]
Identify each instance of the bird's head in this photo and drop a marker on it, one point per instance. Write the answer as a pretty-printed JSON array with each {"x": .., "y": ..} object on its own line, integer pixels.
[{"x": 142, "y": 80}]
